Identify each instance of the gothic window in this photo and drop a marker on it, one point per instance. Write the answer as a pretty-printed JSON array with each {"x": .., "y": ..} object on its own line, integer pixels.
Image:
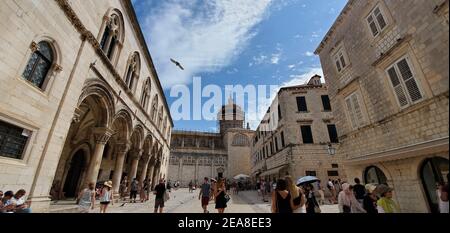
[
  {"x": 376, "y": 21},
  {"x": 154, "y": 108},
  {"x": 145, "y": 97},
  {"x": 160, "y": 116},
  {"x": 341, "y": 59},
  {"x": 164, "y": 125},
  {"x": 240, "y": 140},
  {"x": 111, "y": 37},
  {"x": 133, "y": 69},
  {"x": 39, "y": 65}
]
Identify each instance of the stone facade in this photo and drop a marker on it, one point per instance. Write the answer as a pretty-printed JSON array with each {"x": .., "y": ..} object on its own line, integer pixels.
[
  {"x": 93, "y": 101},
  {"x": 279, "y": 148},
  {"x": 195, "y": 155},
  {"x": 391, "y": 98}
]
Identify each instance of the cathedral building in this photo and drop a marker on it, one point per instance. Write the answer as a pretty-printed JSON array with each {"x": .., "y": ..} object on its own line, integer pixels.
[{"x": 195, "y": 155}]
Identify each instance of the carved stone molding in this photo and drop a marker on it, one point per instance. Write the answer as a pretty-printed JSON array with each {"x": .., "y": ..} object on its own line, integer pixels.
[
  {"x": 102, "y": 134},
  {"x": 77, "y": 115},
  {"x": 34, "y": 46},
  {"x": 122, "y": 148}
]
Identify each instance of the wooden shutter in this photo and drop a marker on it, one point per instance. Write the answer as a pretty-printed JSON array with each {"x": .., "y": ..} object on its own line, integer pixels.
[
  {"x": 398, "y": 88},
  {"x": 410, "y": 82},
  {"x": 372, "y": 25},
  {"x": 380, "y": 18},
  {"x": 358, "y": 111},
  {"x": 351, "y": 113}
]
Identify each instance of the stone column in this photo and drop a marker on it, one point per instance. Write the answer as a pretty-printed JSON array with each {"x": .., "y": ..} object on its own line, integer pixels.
[
  {"x": 136, "y": 155},
  {"x": 122, "y": 149},
  {"x": 144, "y": 170},
  {"x": 150, "y": 169},
  {"x": 101, "y": 136},
  {"x": 196, "y": 171}
]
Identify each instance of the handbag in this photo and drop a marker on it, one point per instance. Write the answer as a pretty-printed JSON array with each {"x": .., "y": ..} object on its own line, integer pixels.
[
  {"x": 227, "y": 198},
  {"x": 317, "y": 210},
  {"x": 166, "y": 196}
]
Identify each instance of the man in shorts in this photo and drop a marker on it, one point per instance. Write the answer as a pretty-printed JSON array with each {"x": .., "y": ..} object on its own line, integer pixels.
[
  {"x": 160, "y": 190},
  {"x": 205, "y": 192}
]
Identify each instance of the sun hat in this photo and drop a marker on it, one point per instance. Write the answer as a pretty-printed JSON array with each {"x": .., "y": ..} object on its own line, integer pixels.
[
  {"x": 108, "y": 183},
  {"x": 370, "y": 187},
  {"x": 382, "y": 189}
]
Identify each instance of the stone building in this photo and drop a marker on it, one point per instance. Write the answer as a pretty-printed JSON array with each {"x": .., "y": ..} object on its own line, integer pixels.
[
  {"x": 386, "y": 64},
  {"x": 81, "y": 100},
  {"x": 195, "y": 155},
  {"x": 297, "y": 136}
]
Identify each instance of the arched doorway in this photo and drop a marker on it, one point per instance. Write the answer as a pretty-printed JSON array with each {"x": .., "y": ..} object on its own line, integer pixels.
[
  {"x": 432, "y": 172},
  {"x": 73, "y": 175},
  {"x": 374, "y": 175}
]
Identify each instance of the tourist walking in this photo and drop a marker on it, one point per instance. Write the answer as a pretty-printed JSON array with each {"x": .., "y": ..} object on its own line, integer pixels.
[
  {"x": 281, "y": 198},
  {"x": 370, "y": 199},
  {"x": 134, "y": 188},
  {"x": 169, "y": 186},
  {"x": 330, "y": 186},
  {"x": 190, "y": 186},
  {"x": 147, "y": 189},
  {"x": 359, "y": 191},
  {"x": 312, "y": 206},
  {"x": 262, "y": 187},
  {"x": 106, "y": 196},
  {"x": 385, "y": 204},
  {"x": 204, "y": 194},
  {"x": 213, "y": 189},
  {"x": 347, "y": 202},
  {"x": 160, "y": 191},
  {"x": 297, "y": 196},
  {"x": 142, "y": 192},
  {"x": 221, "y": 196},
  {"x": 123, "y": 188},
  {"x": 321, "y": 193},
  {"x": 442, "y": 195},
  {"x": 86, "y": 199}
]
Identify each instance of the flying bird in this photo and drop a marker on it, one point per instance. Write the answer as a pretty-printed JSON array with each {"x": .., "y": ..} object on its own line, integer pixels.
[{"x": 176, "y": 63}]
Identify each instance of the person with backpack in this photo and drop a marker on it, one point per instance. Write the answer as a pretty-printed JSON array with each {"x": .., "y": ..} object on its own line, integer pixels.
[
  {"x": 160, "y": 191},
  {"x": 134, "y": 187}
]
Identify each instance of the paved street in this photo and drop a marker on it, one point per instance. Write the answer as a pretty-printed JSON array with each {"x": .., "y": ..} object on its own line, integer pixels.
[{"x": 181, "y": 201}]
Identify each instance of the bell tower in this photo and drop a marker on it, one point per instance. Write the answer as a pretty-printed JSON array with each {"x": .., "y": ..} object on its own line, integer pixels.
[{"x": 230, "y": 116}]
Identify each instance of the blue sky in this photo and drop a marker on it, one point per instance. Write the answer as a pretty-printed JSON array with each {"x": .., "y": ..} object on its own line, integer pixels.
[{"x": 230, "y": 42}]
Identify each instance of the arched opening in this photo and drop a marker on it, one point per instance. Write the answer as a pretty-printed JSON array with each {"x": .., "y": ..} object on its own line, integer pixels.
[
  {"x": 432, "y": 172},
  {"x": 374, "y": 175},
  {"x": 73, "y": 175}
]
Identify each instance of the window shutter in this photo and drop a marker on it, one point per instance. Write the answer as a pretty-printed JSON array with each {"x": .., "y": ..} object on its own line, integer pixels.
[
  {"x": 338, "y": 65},
  {"x": 398, "y": 88},
  {"x": 351, "y": 113},
  {"x": 358, "y": 112},
  {"x": 410, "y": 82},
  {"x": 341, "y": 57},
  {"x": 380, "y": 18},
  {"x": 372, "y": 25}
]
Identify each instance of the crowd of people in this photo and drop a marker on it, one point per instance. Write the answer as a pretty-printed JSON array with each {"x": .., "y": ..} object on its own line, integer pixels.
[
  {"x": 351, "y": 198},
  {"x": 11, "y": 202}
]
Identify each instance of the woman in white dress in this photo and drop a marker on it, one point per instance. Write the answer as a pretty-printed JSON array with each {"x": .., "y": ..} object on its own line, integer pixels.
[{"x": 298, "y": 198}]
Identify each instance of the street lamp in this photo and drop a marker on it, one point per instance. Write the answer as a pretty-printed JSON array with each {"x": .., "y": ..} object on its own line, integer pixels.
[{"x": 331, "y": 150}]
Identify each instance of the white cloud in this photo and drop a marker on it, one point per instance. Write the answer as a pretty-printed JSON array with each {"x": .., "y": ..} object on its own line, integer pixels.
[
  {"x": 292, "y": 66},
  {"x": 275, "y": 58},
  {"x": 202, "y": 37},
  {"x": 254, "y": 118},
  {"x": 299, "y": 79},
  {"x": 309, "y": 54}
]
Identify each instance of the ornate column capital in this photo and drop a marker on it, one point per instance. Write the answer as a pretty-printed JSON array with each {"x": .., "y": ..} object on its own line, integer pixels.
[
  {"x": 102, "y": 134},
  {"x": 136, "y": 153},
  {"x": 123, "y": 147},
  {"x": 77, "y": 114}
]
